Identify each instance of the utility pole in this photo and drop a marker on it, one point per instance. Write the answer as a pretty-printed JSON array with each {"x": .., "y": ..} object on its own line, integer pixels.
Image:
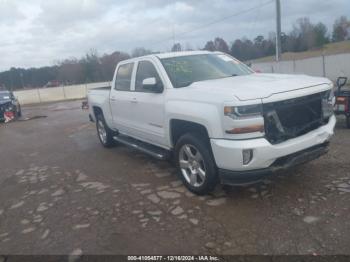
[
  {"x": 278, "y": 31},
  {"x": 21, "y": 75}
]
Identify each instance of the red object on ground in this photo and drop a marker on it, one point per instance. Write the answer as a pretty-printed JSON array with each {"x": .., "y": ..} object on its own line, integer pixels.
[{"x": 9, "y": 116}]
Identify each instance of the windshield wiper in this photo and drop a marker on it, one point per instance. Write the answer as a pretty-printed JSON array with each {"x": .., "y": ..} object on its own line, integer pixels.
[
  {"x": 229, "y": 76},
  {"x": 184, "y": 84}
]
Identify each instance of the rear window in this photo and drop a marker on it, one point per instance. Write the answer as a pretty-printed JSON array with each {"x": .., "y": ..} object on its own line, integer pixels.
[{"x": 123, "y": 78}]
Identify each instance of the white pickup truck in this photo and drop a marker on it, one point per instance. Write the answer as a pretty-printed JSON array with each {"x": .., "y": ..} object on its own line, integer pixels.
[{"x": 219, "y": 120}]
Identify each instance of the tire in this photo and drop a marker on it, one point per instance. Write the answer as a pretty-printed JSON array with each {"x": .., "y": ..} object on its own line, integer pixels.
[
  {"x": 104, "y": 133},
  {"x": 195, "y": 163},
  {"x": 19, "y": 113},
  {"x": 348, "y": 121}
]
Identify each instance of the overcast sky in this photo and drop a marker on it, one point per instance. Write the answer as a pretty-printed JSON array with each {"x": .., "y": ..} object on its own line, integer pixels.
[{"x": 39, "y": 32}]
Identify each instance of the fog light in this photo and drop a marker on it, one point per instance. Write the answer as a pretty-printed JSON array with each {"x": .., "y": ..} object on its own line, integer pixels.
[{"x": 247, "y": 156}]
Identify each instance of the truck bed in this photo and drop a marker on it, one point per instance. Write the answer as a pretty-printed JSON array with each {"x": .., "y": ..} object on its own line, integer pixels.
[
  {"x": 102, "y": 88},
  {"x": 99, "y": 97}
]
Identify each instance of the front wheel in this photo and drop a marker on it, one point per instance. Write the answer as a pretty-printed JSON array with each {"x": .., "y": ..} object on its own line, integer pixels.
[
  {"x": 105, "y": 134},
  {"x": 196, "y": 164}
]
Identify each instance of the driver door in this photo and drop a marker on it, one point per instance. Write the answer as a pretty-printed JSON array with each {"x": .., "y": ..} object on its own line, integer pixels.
[{"x": 149, "y": 106}]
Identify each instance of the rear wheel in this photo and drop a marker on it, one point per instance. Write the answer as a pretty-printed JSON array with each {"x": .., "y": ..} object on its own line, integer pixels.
[
  {"x": 105, "y": 134},
  {"x": 348, "y": 121},
  {"x": 196, "y": 164}
]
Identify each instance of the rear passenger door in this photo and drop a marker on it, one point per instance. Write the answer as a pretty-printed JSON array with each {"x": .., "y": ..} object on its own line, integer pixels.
[
  {"x": 121, "y": 97},
  {"x": 149, "y": 106}
]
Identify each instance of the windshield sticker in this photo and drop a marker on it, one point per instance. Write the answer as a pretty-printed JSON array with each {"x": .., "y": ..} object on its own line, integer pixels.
[
  {"x": 228, "y": 59},
  {"x": 225, "y": 58}
]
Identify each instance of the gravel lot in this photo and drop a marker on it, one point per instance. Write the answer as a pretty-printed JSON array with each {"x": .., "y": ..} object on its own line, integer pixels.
[{"x": 63, "y": 193}]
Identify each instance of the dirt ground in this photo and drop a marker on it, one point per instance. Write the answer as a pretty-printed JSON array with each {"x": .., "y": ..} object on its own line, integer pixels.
[{"x": 63, "y": 193}]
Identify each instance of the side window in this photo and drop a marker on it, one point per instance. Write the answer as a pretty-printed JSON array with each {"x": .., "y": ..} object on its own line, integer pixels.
[
  {"x": 123, "y": 78},
  {"x": 145, "y": 70}
]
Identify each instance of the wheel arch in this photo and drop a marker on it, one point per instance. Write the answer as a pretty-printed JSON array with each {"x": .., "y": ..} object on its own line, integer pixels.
[
  {"x": 97, "y": 111},
  {"x": 179, "y": 127}
]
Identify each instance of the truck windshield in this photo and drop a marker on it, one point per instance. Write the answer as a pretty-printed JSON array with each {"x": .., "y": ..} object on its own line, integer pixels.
[{"x": 184, "y": 70}]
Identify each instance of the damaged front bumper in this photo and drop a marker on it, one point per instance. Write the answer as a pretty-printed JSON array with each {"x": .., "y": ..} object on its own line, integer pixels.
[
  {"x": 266, "y": 157},
  {"x": 229, "y": 177}
]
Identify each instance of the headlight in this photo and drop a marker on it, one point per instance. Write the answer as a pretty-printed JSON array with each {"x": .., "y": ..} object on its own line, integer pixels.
[
  {"x": 247, "y": 119},
  {"x": 328, "y": 101},
  {"x": 241, "y": 112}
]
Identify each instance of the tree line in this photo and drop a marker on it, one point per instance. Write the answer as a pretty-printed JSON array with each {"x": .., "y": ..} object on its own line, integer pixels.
[{"x": 304, "y": 36}]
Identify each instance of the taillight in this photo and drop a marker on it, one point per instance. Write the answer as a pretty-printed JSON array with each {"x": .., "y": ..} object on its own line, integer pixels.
[{"x": 343, "y": 100}]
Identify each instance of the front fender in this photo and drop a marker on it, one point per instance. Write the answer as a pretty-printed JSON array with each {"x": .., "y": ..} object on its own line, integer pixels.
[{"x": 207, "y": 115}]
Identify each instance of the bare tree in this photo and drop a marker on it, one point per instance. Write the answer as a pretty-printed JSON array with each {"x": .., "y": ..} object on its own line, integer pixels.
[
  {"x": 109, "y": 62},
  {"x": 70, "y": 71},
  {"x": 176, "y": 47},
  {"x": 341, "y": 29},
  {"x": 210, "y": 46},
  {"x": 218, "y": 44},
  {"x": 221, "y": 45},
  {"x": 140, "y": 51}
]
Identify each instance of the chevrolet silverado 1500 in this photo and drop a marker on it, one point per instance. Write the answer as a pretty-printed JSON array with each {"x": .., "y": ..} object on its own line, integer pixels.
[{"x": 219, "y": 120}]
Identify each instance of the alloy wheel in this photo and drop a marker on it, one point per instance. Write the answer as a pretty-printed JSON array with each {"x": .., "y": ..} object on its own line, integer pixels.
[
  {"x": 102, "y": 131},
  {"x": 192, "y": 165}
]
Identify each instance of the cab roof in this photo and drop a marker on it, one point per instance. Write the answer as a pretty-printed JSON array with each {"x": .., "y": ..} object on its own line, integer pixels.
[
  {"x": 183, "y": 53},
  {"x": 170, "y": 54}
]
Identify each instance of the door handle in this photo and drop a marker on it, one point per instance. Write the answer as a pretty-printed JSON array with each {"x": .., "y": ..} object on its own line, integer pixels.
[
  {"x": 113, "y": 98},
  {"x": 134, "y": 100}
]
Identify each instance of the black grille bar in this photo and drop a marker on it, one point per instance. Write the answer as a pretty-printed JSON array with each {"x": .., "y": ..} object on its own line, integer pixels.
[{"x": 293, "y": 117}]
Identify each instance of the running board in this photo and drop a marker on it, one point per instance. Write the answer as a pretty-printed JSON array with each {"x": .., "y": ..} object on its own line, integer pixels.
[{"x": 154, "y": 151}]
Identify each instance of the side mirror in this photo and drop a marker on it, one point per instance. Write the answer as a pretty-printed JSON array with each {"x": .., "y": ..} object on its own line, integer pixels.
[
  {"x": 151, "y": 84},
  {"x": 341, "y": 81}
]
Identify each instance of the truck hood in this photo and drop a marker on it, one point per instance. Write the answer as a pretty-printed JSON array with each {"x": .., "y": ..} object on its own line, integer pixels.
[{"x": 257, "y": 85}]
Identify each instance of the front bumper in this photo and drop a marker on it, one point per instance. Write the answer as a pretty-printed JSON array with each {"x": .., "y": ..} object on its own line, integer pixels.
[
  {"x": 228, "y": 153},
  {"x": 229, "y": 177}
]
